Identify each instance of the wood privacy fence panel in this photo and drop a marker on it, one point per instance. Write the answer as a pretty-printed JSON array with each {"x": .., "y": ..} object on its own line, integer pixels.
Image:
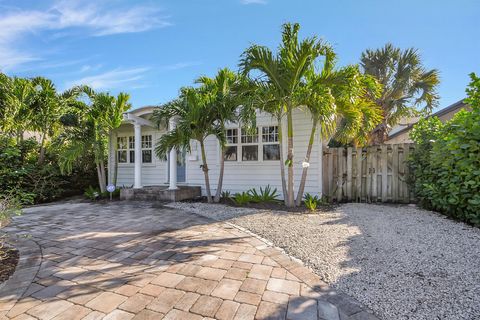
[{"x": 372, "y": 174}]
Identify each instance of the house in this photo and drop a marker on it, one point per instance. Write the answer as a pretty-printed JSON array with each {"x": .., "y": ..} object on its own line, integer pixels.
[
  {"x": 400, "y": 133},
  {"x": 252, "y": 160}
]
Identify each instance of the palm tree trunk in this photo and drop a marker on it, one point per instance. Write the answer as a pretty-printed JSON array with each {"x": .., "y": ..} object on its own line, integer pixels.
[
  {"x": 41, "y": 157},
  {"x": 282, "y": 160},
  {"x": 205, "y": 172},
  {"x": 290, "y": 191},
  {"x": 220, "y": 176},
  {"x": 103, "y": 181},
  {"x": 301, "y": 188}
]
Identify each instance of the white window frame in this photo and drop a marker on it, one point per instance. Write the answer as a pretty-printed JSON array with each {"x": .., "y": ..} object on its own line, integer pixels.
[
  {"x": 150, "y": 148},
  {"x": 118, "y": 149},
  {"x": 130, "y": 149},
  {"x": 270, "y": 143},
  {"x": 242, "y": 136}
]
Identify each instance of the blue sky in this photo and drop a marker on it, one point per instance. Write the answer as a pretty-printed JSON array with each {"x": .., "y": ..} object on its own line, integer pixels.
[{"x": 152, "y": 48}]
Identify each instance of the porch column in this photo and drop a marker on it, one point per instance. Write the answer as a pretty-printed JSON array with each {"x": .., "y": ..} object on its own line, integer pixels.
[
  {"x": 138, "y": 156},
  {"x": 173, "y": 159}
]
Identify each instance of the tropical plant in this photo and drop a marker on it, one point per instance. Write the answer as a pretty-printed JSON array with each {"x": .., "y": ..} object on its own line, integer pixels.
[
  {"x": 407, "y": 85},
  {"x": 279, "y": 77},
  {"x": 242, "y": 198},
  {"x": 226, "y": 195},
  {"x": 225, "y": 92},
  {"x": 92, "y": 193},
  {"x": 339, "y": 106},
  {"x": 446, "y": 161},
  {"x": 87, "y": 127},
  {"x": 264, "y": 195},
  {"x": 312, "y": 202},
  {"x": 196, "y": 120}
]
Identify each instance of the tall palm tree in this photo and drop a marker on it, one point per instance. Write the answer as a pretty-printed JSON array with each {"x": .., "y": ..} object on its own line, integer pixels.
[
  {"x": 93, "y": 122},
  {"x": 283, "y": 74},
  {"x": 338, "y": 104},
  {"x": 226, "y": 92},
  {"x": 407, "y": 85},
  {"x": 195, "y": 121}
]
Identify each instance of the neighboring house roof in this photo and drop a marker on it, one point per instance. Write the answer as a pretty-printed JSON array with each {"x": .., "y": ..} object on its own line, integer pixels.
[{"x": 398, "y": 130}]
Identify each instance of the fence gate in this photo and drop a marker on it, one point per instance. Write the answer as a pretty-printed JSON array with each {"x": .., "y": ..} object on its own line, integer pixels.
[{"x": 372, "y": 174}]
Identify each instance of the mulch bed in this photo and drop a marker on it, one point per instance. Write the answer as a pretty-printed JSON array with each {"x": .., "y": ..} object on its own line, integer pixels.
[{"x": 8, "y": 263}]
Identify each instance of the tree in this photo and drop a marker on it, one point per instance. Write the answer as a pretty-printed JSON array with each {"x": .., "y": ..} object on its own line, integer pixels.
[
  {"x": 225, "y": 91},
  {"x": 196, "y": 120},
  {"x": 89, "y": 124},
  {"x": 407, "y": 85},
  {"x": 339, "y": 106},
  {"x": 283, "y": 75}
]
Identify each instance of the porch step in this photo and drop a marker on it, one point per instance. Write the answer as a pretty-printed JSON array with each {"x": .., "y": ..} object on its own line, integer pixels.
[{"x": 161, "y": 193}]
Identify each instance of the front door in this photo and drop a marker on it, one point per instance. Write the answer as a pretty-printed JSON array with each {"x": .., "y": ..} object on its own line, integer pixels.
[{"x": 181, "y": 172}]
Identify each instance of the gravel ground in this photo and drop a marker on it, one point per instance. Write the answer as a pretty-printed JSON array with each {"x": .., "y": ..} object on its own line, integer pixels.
[{"x": 400, "y": 261}]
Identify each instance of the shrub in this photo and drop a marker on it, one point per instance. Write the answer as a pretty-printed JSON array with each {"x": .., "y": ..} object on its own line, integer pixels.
[
  {"x": 446, "y": 161},
  {"x": 265, "y": 195},
  {"x": 92, "y": 193},
  {"x": 226, "y": 195},
  {"x": 312, "y": 201},
  {"x": 242, "y": 198}
]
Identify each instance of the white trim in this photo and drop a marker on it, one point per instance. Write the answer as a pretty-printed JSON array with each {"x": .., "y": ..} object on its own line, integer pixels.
[
  {"x": 137, "y": 120},
  {"x": 138, "y": 156}
]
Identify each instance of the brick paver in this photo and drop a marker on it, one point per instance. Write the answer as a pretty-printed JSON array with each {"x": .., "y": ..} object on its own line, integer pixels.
[{"x": 139, "y": 261}]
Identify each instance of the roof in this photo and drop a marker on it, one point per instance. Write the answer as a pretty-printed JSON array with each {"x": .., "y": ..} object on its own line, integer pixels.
[{"x": 457, "y": 105}]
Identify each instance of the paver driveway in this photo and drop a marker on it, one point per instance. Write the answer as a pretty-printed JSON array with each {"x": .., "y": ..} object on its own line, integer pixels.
[{"x": 141, "y": 261}]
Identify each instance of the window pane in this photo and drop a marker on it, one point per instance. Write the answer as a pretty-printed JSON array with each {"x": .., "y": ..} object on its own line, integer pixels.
[
  {"x": 131, "y": 142},
  {"x": 147, "y": 156},
  {"x": 248, "y": 137},
  {"x": 231, "y": 135},
  {"x": 270, "y": 134},
  {"x": 146, "y": 141},
  {"x": 271, "y": 152},
  {"x": 249, "y": 153},
  {"x": 122, "y": 156},
  {"x": 231, "y": 153},
  {"x": 132, "y": 156},
  {"x": 122, "y": 143}
]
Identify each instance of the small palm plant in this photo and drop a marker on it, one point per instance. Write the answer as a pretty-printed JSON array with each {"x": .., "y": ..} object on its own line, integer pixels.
[{"x": 195, "y": 121}]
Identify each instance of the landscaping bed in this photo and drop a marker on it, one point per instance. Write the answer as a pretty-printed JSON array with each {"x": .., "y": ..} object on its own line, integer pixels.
[
  {"x": 8, "y": 263},
  {"x": 398, "y": 260}
]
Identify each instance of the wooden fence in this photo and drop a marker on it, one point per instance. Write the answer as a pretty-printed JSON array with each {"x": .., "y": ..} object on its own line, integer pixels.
[{"x": 373, "y": 174}]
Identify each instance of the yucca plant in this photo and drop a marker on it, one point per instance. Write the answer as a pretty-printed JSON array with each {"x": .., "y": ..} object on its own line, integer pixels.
[
  {"x": 312, "y": 202},
  {"x": 242, "y": 198}
]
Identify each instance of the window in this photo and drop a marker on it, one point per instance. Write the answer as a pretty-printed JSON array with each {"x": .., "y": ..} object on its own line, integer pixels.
[
  {"x": 231, "y": 151},
  {"x": 131, "y": 146},
  {"x": 249, "y": 137},
  {"x": 271, "y": 146},
  {"x": 122, "y": 149},
  {"x": 250, "y": 153},
  {"x": 147, "y": 149}
]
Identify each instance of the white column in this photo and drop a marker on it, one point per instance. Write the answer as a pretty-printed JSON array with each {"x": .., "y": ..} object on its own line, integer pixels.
[
  {"x": 111, "y": 155},
  {"x": 138, "y": 156},
  {"x": 173, "y": 160}
]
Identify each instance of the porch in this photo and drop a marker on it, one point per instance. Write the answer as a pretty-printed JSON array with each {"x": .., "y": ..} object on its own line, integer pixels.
[{"x": 161, "y": 193}]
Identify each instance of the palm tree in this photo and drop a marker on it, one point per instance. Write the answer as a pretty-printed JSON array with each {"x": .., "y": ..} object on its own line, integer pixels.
[
  {"x": 283, "y": 75},
  {"x": 91, "y": 125},
  {"x": 196, "y": 120},
  {"x": 338, "y": 104},
  {"x": 225, "y": 90},
  {"x": 407, "y": 85}
]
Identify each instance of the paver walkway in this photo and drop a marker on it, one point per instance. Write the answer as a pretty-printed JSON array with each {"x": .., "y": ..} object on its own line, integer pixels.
[{"x": 141, "y": 261}]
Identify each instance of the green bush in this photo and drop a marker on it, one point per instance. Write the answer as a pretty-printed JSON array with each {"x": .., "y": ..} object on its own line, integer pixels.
[
  {"x": 29, "y": 182},
  {"x": 242, "y": 198},
  {"x": 264, "y": 195},
  {"x": 312, "y": 202},
  {"x": 446, "y": 161}
]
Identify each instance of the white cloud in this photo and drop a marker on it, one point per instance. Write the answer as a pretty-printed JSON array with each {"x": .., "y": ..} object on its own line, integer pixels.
[
  {"x": 181, "y": 65},
  {"x": 253, "y": 1},
  {"x": 96, "y": 20},
  {"x": 117, "y": 78}
]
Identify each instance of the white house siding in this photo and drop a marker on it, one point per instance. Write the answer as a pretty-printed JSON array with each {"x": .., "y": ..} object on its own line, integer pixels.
[{"x": 240, "y": 175}]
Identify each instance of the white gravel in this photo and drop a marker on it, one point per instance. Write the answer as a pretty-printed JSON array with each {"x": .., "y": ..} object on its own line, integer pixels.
[{"x": 400, "y": 261}]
